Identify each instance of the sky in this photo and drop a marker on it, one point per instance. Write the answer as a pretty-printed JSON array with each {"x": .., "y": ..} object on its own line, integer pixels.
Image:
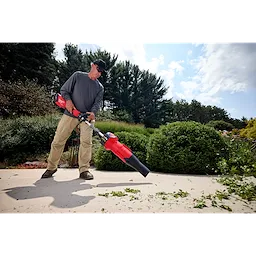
[{"x": 222, "y": 75}]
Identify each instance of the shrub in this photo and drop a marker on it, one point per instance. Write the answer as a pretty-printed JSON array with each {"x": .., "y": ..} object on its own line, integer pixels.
[
  {"x": 106, "y": 160},
  {"x": 221, "y": 125},
  {"x": 185, "y": 147},
  {"x": 250, "y": 130},
  {"x": 115, "y": 126},
  {"x": 235, "y": 132},
  {"x": 242, "y": 159},
  {"x": 25, "y": 136},
  {"x": 24, "y": 99}
]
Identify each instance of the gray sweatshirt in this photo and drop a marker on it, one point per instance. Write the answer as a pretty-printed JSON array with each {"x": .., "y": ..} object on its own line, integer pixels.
[{"x": 85, "y": 93}]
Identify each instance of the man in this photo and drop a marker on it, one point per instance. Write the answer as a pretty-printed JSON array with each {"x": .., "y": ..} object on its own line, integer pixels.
[{"x": 84, "y": 92}]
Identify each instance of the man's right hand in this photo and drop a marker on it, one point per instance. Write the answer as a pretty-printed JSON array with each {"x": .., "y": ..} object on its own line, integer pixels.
[{"x": 70, "y": 106}]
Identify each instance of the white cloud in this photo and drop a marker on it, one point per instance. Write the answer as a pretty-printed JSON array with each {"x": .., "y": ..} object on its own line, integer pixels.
[
  {"x": 222, "y": 68},
  {"x": 189, "y": 52},
  {"x": 168, "y": 75},
  {"x": 136, "y": 54},
  {"x": 175, "y": 65},
  {"x": 133, "y": 52},
  {"x": 188, "y": 90}
]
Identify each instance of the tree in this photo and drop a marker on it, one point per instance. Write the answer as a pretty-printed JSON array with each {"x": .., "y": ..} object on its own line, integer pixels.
[
  {"x": 7, "y": 60},
  {"x": 152, "y": 90},
  {"x": 196, "y": 111},
  {"x": 137, "y": 92},
  {"x": 28, "y": 61},
  {"x": 74, "y": 61}
]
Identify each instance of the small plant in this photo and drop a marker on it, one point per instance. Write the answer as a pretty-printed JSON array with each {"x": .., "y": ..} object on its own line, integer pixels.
[
  {"x": 180, "y": 193},
  {"x": 240, "y": 187},
  {"x": 226, "y": 207},
  {"x": 161, "y": 193},
  {"x": 200, "y": 203},
  {"x": 121, "y": 194},
  {"x": 118, "y": 193},
  {"x": 220, "y": 195},
  {"x": 130, "y": 190}
]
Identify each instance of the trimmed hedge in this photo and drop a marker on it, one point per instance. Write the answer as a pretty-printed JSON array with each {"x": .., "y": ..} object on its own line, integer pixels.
[{"x": 186, "y": 147}]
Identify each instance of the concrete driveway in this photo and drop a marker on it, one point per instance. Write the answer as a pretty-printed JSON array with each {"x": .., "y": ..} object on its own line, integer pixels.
[{"x": 23, "y": 191}]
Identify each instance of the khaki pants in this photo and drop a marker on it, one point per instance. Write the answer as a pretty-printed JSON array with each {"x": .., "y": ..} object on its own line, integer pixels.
[{"x": 65, "y": 127}]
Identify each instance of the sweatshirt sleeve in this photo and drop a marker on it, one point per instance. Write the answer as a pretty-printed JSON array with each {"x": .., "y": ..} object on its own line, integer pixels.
[
  {"x": 67, "y": 88},
  {"x": 98, "y": 101}
]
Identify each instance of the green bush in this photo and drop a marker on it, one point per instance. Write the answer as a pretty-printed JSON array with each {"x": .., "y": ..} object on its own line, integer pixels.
[
  {"x": 221, "y": 125},
  {"x": 24, "y": 136},
  {"x": 185, "y": 147},
  {"x": 106, "y": 160},
  {"x": 250, "y": 130},
  {"x": 242, "y": 159},
  {"x": 24, "y": 99},
  {"x": 115, "y": 126}
]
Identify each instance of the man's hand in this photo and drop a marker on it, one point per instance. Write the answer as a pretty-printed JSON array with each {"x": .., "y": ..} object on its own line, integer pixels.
[
  {"x": 91, "y": 116},
  {"x": 70, "y": 106}
]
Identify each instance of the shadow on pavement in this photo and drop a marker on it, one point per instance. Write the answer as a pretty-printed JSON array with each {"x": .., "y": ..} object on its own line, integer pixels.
[{"x": 63, "y": 192}]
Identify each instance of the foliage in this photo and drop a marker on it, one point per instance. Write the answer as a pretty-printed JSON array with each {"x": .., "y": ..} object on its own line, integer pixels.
[
  {"x": 136, "y": 91},
  {"x": 185, "y": 147},
  {"x": 250, "y": 130},
  {"x": 181, "y": 110},
  {"x": 118, "y": 115},
  {"x": 242, "y": 159},
  {"x": 239, "y": 186},
  {"x": 33, "y": 61},
  {"x": 24, "y": 99},
  {"x": 115, "y": 126},
  {"x": 26, "y": 136},
  {"x": 220, "y": 125}
]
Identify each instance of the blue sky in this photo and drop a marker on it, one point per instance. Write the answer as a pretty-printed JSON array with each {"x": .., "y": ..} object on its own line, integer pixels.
[{"x": 222, "y": 75}]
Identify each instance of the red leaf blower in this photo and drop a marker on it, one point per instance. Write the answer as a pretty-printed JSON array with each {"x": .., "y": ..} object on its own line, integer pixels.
[{"x": 109, "y": 141}]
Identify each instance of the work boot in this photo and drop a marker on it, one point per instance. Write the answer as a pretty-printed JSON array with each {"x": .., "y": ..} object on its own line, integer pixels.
[
  {"x": 86, "y": 175},
  {"x": 48, "y": 173}
]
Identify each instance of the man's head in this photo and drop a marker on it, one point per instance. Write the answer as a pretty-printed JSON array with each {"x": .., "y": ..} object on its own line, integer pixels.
[
  {"x": 97, "y": 67},
  {"x": 101, "y": 65}
]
